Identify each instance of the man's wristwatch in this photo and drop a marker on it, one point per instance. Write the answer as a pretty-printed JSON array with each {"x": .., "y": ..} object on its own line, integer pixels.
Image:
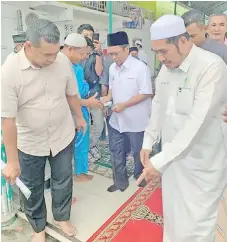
[{"x": 99, "y": 53}]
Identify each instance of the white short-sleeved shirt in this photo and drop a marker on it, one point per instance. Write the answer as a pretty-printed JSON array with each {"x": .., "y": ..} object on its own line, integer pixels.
[{"x": 132, "y": 78}]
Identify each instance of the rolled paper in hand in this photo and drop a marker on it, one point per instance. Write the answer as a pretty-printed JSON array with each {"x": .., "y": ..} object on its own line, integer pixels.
[
  {"x": 108, "y": 104},
  {"x": 27, "y": 193}
]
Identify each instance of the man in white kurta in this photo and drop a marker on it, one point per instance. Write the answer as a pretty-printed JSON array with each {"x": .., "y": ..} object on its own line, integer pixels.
[{"x": 190, "y": 94}]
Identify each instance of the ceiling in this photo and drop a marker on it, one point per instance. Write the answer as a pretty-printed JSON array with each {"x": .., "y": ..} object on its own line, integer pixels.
[{"x": 207, "y": 7}]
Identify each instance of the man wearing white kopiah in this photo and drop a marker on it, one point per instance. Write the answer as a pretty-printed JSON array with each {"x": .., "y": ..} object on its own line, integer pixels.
[{"x": 190, "y": 94}]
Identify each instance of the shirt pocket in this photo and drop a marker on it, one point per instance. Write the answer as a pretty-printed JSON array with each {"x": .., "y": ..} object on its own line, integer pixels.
[
  {"x": 130, "y": 86},
  {"x": 184, "y": 100}
]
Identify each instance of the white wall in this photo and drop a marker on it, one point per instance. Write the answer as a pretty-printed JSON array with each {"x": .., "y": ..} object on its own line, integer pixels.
[
  {"x": 97, "y": 19},
  {"x": 100, "y": 22},
  {"x": 9, "y": 24},
  {"x": 144, "y": 34}
]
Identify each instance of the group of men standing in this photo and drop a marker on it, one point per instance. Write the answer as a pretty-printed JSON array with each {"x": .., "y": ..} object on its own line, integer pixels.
[
  {"x": 40, "y": 97},
  {"x": 39, "y": 88}
]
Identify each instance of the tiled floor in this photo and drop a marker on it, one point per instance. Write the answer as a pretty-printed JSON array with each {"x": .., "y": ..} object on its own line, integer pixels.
[
  {"x": 20, "y": 231},
  {"x": 93, "y": 205}
]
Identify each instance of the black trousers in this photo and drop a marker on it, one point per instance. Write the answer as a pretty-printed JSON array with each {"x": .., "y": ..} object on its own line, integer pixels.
[
  {"x": 120, "y": 144},
  {"x": 33, "y": 176}
]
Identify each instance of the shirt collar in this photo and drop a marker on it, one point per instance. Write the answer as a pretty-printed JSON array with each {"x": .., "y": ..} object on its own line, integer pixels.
[
  {"x": 186, "y": 62},
  {"x": 126, "y": 64},
  {"x": 24, "y": 62}
]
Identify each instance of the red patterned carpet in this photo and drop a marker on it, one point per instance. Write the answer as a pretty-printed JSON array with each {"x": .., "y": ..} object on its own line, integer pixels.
[{"x": 138, "y": 220}]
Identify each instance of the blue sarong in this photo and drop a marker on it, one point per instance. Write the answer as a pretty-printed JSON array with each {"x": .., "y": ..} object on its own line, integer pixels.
[{"x": 82, "y": 143}]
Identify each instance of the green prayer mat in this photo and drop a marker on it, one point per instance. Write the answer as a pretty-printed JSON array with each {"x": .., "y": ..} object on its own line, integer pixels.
[{"x": 103, "y": 166}]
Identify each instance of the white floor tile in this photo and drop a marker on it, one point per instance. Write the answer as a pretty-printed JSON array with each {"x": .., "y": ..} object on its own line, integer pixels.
[{"x": 94, "y": 205}]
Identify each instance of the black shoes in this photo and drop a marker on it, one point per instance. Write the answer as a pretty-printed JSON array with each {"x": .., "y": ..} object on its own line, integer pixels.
[
  {"x": 113, "y": 188},
  {"x": 143, "y": 183}
]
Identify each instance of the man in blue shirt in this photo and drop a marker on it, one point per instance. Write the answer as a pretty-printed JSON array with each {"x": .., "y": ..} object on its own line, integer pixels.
[
  {"x": 93, "y": 69},
  {"x": 75, "y": 48}
]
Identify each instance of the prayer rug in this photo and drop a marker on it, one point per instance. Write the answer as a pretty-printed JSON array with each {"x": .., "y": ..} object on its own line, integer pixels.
[
  {"x": 103, "y": 166},
  {"x": 138, "y": 220}
]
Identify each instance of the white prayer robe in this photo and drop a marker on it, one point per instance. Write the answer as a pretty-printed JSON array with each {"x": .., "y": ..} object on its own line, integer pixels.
[{"x": 187, "y": 108}]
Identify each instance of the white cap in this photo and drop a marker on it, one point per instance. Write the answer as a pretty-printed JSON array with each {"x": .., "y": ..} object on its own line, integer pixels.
[
  {"x": 138, "y": 43},
  {"x": 167, "y": 26},
  {"x": 75, "y": 40}
]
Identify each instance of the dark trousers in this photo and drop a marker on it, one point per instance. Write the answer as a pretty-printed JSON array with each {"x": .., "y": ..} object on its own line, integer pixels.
[
  {"x": 119, "y": 148},
  {"x": 127, "y": 141},
  {"x": 33, "y": 176}
]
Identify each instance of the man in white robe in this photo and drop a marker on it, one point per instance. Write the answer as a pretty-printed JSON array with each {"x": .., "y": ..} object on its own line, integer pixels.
[{"x": 190, "y": 94}]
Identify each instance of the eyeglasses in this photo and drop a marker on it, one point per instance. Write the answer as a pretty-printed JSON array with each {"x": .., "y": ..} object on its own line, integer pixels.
[
  {"x": 116, "y": 54},
  {"x": 161, "y": 52}
]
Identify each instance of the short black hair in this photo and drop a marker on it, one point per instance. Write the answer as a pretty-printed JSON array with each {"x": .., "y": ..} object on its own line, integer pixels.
[
  {"x": 133, "y": 48},
  {"x": 83, "y": 27},
  {"x": 193, "y": 16}
]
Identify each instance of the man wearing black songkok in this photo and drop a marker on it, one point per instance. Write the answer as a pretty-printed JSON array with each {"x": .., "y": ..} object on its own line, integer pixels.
[{"x": 130, "y": 90}]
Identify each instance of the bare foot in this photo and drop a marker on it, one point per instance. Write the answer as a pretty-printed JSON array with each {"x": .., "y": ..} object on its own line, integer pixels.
[
  {"x": 83, "y": 178},
  {"x": 87, "y": 177},
  {"x": 39, "y": 237},
  {"x": 78, "y": 178},
  {"x": 66, "y": 227}
]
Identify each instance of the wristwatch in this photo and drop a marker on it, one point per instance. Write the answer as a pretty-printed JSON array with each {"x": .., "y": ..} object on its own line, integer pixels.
[{"x": 99, "y": 53}]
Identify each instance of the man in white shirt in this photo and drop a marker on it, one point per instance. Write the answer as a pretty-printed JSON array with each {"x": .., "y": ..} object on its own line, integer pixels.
[
  {"x": 38, "y": 89},
  {"x": 141, "y": 54},
  {"x": 19, "y": 40},
  {"x": 190, "y": 94},
  {"x": 130, "y": 89}
]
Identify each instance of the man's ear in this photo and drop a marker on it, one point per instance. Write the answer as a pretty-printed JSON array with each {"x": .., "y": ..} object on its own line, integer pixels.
[
  {"x": 28, "y": 45},
  {"x": 183, "y": 40},
  {"x": 206, "y": 28}
]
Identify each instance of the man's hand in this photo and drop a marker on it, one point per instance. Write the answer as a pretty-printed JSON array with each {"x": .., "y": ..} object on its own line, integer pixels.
[
  {"x": 106, "y": 112},
  {"x": 11, "y": 171},
  {"x": 94, "y": 102},
  {"x": 144, "y": 156},
  {"x": 81, "y": 124},
  {"x": 225, "y": 114},
  {"x": 97, "y": 46},
  {"x": 119, "y": 107},
  {"x": 148, "y": 172}
]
